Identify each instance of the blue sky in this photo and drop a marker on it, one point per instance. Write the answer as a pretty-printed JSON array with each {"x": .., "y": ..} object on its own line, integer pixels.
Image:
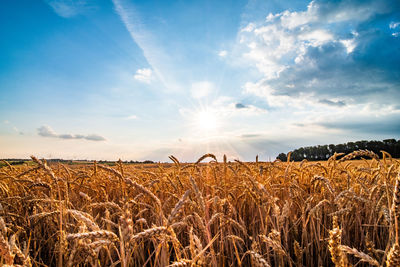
[{"x": 83, "y": 79}]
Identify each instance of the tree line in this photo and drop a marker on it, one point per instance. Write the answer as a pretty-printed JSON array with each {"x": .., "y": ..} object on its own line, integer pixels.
[{"x": 323, "y": 152}]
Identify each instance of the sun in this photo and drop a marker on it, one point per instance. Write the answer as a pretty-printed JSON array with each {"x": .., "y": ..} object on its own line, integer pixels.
[
  {"x": 203, "y": 122},
  {"x": 206, "y": 121}
]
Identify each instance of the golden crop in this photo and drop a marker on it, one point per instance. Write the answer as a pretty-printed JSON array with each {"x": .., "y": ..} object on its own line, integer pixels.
[{"x": 334, "y": 213}]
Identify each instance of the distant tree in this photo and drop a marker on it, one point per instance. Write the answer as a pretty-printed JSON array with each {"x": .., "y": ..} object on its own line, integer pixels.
[
  {"x": 361, "y": 144},
  {"x": 303, "y": 153},
  {"x": 331, "y": 149},
  {"x": 282, "y": 157},
  {"x": 19, "y": 162},
  {"x": 340, "y": 148},
  {"x": 351, "y": 146},
  {"x": 325, "y": 152}
]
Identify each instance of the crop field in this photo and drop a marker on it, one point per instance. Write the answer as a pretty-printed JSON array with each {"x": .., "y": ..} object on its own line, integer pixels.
[{"x": 340, "y": 212}]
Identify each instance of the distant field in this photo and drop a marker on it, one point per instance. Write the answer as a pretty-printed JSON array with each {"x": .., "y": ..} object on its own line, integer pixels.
[{"x": 332, "y": 213}]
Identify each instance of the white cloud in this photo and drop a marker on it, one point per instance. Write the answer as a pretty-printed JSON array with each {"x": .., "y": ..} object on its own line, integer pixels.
[
  {"x": 223, "y": 53},
  {"x": 291, "y": 20},
  {"x": 271, "y": 45},
  {"x": 394, "y": 25},
  {"x": 144, "y": 75},
  {"x": 271, "y": 17},
  {"x": 68, "y": 8},
  {"x": 258, "y": 89},
  {"x": 261, "y": 89},
  {"x": 317, "y": 37},
  {"x": 249, "y": 28},
  {"x": 131, "y": 117},
  {"x": 6, "y": 122},
  {"x": 201, "y": 89},
  {"x": 350, "y": 45},
  {"x": 47, "y": 131}
]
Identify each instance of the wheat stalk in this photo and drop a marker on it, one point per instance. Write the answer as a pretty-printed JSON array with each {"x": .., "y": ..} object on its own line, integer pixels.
[
  {"x": 359, "y": 153},
  {"x": 335, "y": 236},
  {"x": 257, "y": 259},
  {"x": 94, "y": 234},
  {"x": 178, "y": 206},
  {"x": 362, "y": 256}
]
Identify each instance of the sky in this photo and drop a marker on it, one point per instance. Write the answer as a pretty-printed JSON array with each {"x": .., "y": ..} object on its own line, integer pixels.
[{"x": 137, "y": 80}]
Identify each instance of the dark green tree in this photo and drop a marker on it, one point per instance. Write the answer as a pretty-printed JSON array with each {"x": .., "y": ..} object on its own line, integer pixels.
[{"x": 282, "y": 157}]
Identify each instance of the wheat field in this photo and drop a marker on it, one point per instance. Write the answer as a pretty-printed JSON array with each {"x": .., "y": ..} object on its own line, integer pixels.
[{"x": 341, "y": 212}]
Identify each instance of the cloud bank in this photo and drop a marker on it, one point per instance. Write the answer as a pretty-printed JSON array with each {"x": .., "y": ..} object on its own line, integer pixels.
[
  {"x": 47, "y": 131},
  {"x": 331, "y": 67},
  {"x": 333, "y": 50}
]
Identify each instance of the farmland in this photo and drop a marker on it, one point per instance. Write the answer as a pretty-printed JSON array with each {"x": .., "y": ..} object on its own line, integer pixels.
[{"x": 338, "y": 212}]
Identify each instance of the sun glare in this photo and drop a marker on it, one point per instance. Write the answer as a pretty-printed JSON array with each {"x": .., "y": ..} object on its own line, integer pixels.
[{"x": 206, "y": 121}]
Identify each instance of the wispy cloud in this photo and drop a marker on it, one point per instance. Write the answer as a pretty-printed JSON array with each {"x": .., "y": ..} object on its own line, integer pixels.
[
  {"x": 94, "y": 137},
  {"x": 18, "y": 131},
  {"x": 13, "y": 127},
  {"x": 223, "y": 53},
  {"x": 144, "y": 75},
  {"x": 47, "y": 131},
  {"x": 68, "y": 8},
  {"x": 131, "y": 117},
  {"x": 250, "y": 135},
  {"x": 158, "y": 59},
  {"x": 328, "y": 102},
  {"x": 248, "y": 109}
]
